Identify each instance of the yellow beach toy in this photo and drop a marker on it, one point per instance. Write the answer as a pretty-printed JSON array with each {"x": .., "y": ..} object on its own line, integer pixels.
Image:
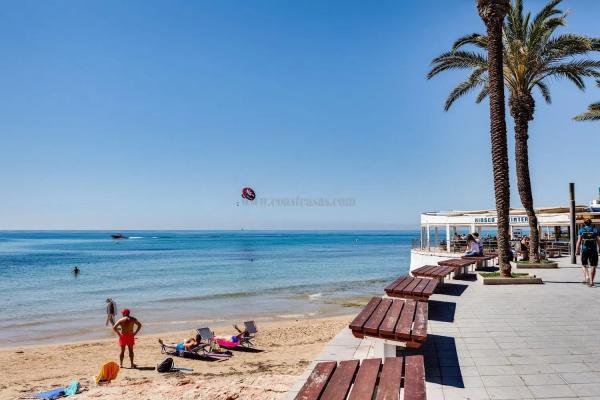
[{"x": 107, "y": 373}]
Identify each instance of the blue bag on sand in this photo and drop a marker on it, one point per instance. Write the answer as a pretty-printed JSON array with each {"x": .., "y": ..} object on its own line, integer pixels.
[
  {"x": 73, "y": 388},
  {"x": 51, "y": 394}
]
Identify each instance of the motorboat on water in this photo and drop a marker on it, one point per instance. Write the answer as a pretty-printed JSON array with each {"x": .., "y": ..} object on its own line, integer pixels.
[{"x": 118, "y": 236}]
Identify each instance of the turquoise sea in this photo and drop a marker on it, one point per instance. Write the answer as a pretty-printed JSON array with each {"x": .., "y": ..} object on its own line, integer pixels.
[{"x": 175, "y": 280}]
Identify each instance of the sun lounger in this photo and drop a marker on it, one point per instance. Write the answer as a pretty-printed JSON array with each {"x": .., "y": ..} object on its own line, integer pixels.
[
  {"x": 394, "y": 378},
  {"x": 412, "y": 288},
  {"x": 206, "y": 335},
  {"x": 200, "y": 352}
]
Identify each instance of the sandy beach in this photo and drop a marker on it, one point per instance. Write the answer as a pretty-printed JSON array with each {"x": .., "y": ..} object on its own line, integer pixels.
[{"x": 289, "y": 347}]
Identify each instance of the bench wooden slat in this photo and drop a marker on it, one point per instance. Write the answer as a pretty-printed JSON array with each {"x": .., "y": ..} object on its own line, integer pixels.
[
  {"x": 428, "y": 291},
  {"x": 403, "y": 285},
  {"x": 372, "y": 324},
  {"x": 365, "y": 314},
  {"x": 394, "y": 284},
  {"x": 405, "y": 321},
  {"x": 316, "y": 382},
  {"x": 419, "y": 331},
  {"x": 421, "y": 286},
  {"x": 366, "y": 379},
  {"x": 428, "y": 268},
  {"x": 387, "y": 327},
  {"x": 391, "y": 376},
  {"x": 414, "y": 378},
  {"x": 411, "y": 287},
  {"x": 339, "y": 384}
]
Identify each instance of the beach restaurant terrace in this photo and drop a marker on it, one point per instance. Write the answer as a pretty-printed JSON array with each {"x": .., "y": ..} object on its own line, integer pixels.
[{"x": 445, "y": 231}]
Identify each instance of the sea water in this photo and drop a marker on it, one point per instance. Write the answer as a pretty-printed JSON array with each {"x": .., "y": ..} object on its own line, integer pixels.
[{"x": 175, "y": 280}]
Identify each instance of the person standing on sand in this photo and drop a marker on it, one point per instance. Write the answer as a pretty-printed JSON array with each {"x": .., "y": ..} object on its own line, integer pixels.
[
  {"x": 588, "y": 242},
  {"x": 124, "y": 328},
  {"x": 111, "y": 311}
]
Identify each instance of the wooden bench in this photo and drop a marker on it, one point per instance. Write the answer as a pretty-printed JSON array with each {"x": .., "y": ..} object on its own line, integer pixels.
[
  {"x": 553, "y": 251},
  {"x": 482, "y": 261},
  {"x": 437, "y": 272},
  {"x": 460, "y": 265},
  {"x": 412, "y": 288},
  {"x": 371, "y": 379},
  {"x": 392, "y": 323}
]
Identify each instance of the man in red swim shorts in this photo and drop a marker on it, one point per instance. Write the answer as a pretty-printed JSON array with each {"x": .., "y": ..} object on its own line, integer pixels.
[{"x": 124, "y": 328}]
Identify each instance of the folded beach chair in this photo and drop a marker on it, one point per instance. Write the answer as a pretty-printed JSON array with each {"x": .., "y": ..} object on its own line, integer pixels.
[
  {"x": 107, "y": 373},
  {"x": 200, "y": 352},
  {"x": 251, "y": 331}
]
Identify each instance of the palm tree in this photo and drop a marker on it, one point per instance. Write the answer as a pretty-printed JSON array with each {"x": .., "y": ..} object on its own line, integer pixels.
[
  {"x": 532, "y": 56},
  {"x": 592, "y": 113},
  {"x": 492, "y": 12}
]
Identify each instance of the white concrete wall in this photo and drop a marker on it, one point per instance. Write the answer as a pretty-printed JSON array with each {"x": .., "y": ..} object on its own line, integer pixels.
[{"x": 418, "y": 258}]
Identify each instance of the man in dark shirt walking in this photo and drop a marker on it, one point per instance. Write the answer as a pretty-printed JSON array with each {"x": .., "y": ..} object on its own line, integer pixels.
[{"x": 587, "y": 245}]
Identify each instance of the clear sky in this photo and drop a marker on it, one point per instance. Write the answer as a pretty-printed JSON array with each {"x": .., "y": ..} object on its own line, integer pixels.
[{"x": 154, "y": 114}]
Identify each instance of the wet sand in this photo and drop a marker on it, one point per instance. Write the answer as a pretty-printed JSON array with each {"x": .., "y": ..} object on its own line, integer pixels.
[{"x": 288, "y": 346}]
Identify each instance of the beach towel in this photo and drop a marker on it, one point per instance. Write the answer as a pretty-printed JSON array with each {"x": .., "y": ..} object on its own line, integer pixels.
[
  {"x": 107, "y": 373},
  {"x": 73, "y": 388},
  {"x": 51, "y": 394}
]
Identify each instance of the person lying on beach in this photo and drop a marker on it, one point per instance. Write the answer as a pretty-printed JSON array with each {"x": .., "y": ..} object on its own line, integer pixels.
[
  {"x": 188, "y": 345},
  {"x": 233, "y": 338},
  {"x": 124, "y": 328}
]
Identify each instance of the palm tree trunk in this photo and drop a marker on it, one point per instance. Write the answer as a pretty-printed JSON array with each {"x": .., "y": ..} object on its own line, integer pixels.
[
  {"x": 492, "y": 12},
  {"x": 522, "y": 109}
]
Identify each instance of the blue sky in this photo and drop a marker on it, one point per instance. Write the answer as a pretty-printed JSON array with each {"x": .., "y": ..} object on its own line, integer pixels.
[{"x": 147, "y": 114}]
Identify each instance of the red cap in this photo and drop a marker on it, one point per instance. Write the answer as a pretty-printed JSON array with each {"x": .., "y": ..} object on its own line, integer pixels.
[{"x": 125, "y": 312}]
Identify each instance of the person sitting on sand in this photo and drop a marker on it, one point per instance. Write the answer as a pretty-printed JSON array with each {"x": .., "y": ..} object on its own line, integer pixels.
[
  {"x": 124, "y": 328},
  {"x": 188, "y": 345}
]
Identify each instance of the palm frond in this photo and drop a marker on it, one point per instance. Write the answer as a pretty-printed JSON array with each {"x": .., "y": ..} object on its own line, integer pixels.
[
  {"x": 457, "y": 60},
  {"x": 592, "y": 114},
  {"x": 485, "y": 91},
  {"x": 475, "y": 39},
  {"x": 545, "y": 92},
  {"x": 474, "y": 81}
]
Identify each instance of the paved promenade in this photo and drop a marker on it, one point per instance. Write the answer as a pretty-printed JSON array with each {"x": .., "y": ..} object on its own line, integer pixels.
[{"x": 506, "y": 342}]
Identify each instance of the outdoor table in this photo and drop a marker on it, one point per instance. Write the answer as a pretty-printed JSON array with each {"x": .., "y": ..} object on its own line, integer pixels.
[{"x": 391, "y": 323}]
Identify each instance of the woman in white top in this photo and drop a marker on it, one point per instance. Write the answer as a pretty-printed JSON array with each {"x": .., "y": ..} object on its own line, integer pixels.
[{"x": 472, "y": 246}]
